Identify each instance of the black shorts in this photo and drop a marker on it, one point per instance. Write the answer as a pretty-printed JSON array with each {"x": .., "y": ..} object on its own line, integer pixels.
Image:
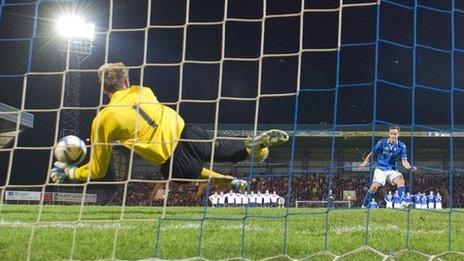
[{"x": 190, "y": 156}]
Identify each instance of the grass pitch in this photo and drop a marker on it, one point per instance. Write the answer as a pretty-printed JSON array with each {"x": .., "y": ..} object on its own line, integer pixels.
[{"x": 103, "y": 232}]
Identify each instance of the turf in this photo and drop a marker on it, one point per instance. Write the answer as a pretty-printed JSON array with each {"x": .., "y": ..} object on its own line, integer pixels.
[{"x": 111, "y": 232}]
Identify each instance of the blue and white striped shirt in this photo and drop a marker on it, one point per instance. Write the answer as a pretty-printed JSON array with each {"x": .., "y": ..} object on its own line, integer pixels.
[
  {"x": 389, "y": 198},
  {"x": 431, "y": 199},
  {"x": 387, "y": 154}
]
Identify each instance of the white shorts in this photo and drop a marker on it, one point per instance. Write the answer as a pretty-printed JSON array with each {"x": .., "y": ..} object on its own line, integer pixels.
[
  {"x": 380, "y": 176},
  {"x": 418, "y": 206},
  {"x": 397, "y": 205},
  {"x": 431, "y": 205},
  {"x": 438, "y": 206},
  {"x": 424, "y": 206},
  {"x": 389, "y": 205}
]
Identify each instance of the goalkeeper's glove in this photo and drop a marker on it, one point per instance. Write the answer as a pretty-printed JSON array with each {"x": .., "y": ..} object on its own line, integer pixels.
[{"x": 62, "y": 172}]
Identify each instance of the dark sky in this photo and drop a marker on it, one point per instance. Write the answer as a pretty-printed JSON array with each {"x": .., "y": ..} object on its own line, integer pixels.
[{"x": 369, "y": 79}]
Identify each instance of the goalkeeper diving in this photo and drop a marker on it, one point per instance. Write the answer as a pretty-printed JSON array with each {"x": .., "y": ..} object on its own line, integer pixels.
[{"x": 135, "y": 119}]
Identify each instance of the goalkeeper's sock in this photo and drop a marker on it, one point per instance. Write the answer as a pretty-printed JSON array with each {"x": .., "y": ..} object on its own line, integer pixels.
[
  {"x": 368, "y": 198},
  {"x": 260, "y": 154},
  {"x": 401, "y": 193},
  {"x": 217, "y": 178}
]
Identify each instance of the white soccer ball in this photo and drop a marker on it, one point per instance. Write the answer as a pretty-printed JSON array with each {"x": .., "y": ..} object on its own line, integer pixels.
[{"x": 70, "y": 150}]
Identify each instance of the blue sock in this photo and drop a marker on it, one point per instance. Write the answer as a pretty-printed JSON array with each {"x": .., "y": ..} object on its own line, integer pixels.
[
  {"x": 401, "y": 193},
  {"x": 368, "y": 198}
]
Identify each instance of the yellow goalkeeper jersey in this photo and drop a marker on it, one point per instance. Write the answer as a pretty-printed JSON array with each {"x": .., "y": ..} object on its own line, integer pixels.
[{"x": 133, "y": 118}]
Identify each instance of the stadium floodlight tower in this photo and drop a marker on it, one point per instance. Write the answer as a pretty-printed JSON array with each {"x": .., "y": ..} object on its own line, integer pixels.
[{"x": 77, "y": 41}]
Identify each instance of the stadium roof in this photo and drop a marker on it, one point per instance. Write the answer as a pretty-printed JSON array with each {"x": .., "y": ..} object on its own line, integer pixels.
[
  {"x": 325, "y": 130},
  {"x": 9, "y": 117}
]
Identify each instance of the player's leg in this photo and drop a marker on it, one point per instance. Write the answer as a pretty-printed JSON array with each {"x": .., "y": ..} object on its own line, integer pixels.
[
  {"x": 258, "y": 147},
  {"x": 398, "y": 180},
  {"x": 225, "y": 181},
  {"x": 228, "y": 150},
  {"x": 217, "y": 178},
  {"x": 225, "y": 150},
  {"x": 424, "y": 205},
  {"x": 233, "y": 150},
  {"x": 370, "y": 193},
  {"x": 378, "y": 181},
  {"x": 431, "y": 205},
  {"x": 185, "y": 164},
  {"x": 389, "y": 205},
  {"x": 189, "y": 159},
  {"x": 190, "y": 155}
]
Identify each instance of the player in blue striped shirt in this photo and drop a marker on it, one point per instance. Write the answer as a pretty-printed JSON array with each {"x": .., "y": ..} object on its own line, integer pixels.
[
  {"x": 417, "y": 200},
  {"x": 424, "y": 200},
  {"x": 396, "y": 200},
  {"x": 431, "y": 200},
  {"x": 386, "y": 153},
  {"x": 408, "y": 198},
  {"x": 373, "y": 204}
]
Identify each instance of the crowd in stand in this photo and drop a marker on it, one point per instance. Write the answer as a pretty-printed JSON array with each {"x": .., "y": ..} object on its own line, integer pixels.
[{"x": 304, "y": 186}]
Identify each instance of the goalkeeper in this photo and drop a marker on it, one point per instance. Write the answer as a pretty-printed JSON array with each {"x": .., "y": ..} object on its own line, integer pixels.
[{"x": 135, "y": 119}]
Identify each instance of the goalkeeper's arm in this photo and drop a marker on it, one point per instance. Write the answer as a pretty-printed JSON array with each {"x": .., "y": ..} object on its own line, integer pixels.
[
  {"x": 99, "y": 157},
  {"x": 101, "y": 137}
]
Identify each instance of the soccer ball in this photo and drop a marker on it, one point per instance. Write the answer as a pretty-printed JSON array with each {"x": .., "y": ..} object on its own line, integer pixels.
[{"x": 70, "y": 150}]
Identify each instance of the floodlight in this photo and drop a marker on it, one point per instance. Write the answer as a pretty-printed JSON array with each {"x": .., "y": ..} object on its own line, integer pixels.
[
  {"x": 75, "y": 27},
  {"x": 77, "y": 35}
]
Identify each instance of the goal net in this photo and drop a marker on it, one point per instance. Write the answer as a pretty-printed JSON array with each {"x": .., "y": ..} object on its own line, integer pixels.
[{"x": 333, "y": 74}]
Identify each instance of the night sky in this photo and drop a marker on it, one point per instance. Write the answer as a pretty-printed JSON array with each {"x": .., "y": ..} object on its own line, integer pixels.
[{"x": 402, "y": 57}]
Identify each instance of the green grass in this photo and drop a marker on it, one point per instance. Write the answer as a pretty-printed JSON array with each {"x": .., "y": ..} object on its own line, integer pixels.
[{"x": 139, "y": 232}]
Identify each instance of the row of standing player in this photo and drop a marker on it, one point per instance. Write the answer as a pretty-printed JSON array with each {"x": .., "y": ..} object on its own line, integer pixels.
[
  {"x": 244, "y": 199},
  {"x": 419, "y": 200}
]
